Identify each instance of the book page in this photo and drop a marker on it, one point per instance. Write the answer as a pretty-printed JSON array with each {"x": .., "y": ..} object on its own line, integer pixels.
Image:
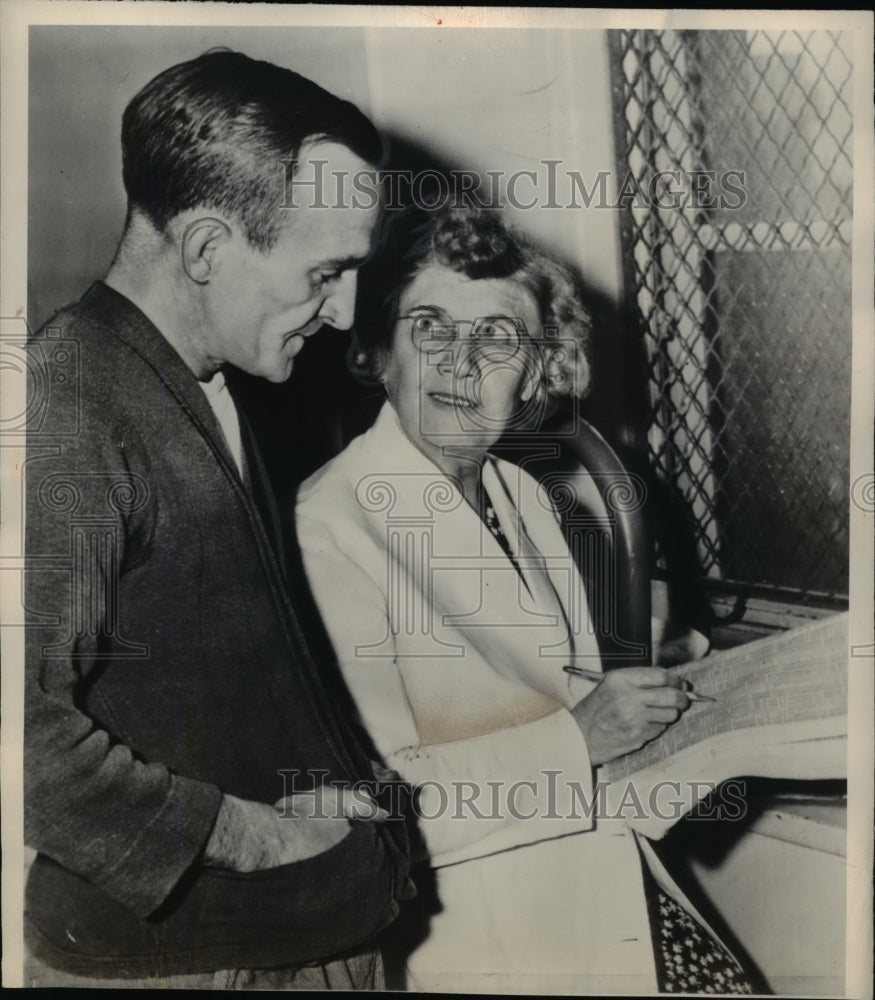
[{"x": 798, "y": 676}]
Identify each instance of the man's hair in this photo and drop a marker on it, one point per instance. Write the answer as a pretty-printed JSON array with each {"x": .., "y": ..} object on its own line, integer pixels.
[
  {"x": 478, "y": 244},
  {"x": 217, "y": 131}
]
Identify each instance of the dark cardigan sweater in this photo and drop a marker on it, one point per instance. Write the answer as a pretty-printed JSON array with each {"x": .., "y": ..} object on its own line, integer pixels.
[{"x": 166, "y": 665}]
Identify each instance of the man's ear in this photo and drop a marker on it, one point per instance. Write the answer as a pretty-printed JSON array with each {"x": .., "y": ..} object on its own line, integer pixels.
[{"x": 200, "y": 241}]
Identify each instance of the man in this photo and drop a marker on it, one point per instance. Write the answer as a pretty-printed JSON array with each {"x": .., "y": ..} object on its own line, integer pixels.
[{"x": 171, "y": 700}]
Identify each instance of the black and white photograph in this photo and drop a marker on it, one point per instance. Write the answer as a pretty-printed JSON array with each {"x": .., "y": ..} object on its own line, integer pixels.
[{"x": 437, "y": 499}]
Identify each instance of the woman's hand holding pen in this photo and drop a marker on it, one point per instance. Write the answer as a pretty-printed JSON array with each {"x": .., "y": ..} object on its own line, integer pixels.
[{"x": 629, "y": 708}]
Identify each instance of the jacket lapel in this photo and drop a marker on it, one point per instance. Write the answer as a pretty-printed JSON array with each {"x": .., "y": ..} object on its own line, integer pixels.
[
  {"x": 470, "y": 583},
  {"x": 539, "y": 528}
]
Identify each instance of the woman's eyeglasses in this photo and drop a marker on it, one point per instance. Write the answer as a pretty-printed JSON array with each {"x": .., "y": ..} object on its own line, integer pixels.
[{"x": 496, "y": 337}]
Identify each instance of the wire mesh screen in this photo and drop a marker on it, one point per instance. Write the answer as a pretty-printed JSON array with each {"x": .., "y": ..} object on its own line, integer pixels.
[{"x": 736, "y": 155}]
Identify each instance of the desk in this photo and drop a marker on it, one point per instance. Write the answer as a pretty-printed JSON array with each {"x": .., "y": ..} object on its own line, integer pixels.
[
  {"x": 779, "y": 885},
  {"x": 774, "y": 881}
]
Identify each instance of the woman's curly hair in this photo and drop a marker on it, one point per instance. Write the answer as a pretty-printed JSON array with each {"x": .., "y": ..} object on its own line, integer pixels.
[{"x": 477, "y": 243}]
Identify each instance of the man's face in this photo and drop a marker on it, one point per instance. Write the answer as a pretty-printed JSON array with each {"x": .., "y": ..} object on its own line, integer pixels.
[{"x": 260, "y": 307}]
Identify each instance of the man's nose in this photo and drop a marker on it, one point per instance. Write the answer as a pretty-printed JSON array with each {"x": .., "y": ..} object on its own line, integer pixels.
[{"x": 338, "y": 309}]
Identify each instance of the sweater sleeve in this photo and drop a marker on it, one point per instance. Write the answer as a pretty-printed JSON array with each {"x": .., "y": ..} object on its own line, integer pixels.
[
  {"x": 475, "y": 796},
  {"x": 130, "y": 826}
]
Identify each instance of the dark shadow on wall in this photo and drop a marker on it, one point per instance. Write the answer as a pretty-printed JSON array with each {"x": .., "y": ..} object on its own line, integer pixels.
[
  {"x": 310, "y": 418},
  {"x": 306, "y": 421}
]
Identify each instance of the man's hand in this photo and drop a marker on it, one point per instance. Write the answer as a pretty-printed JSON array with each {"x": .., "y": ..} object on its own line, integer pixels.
[
  {"x": 250, "y": 836},
  {"x": 629, "y": 708}
]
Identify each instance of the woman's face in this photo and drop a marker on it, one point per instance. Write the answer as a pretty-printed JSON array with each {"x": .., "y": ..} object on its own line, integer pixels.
[{"x": 461, "y": 367}]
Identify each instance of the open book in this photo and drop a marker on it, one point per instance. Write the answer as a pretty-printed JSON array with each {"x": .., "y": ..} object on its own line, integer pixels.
[{"x": 780, "y": 711}]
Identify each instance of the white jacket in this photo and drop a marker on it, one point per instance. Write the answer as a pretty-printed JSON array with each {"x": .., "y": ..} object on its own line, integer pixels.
[{"x": 455, "y": 665}]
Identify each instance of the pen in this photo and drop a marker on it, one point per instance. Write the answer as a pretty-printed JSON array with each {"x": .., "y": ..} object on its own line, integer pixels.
[{"x": 595, "y": 675}]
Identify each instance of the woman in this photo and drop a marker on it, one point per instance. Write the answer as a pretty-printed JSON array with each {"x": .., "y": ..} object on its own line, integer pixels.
[{"x": 447, "y": 588}]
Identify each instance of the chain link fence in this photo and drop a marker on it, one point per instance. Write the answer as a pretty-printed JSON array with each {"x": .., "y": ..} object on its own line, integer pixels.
[{"x": 736, "y": 181}]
